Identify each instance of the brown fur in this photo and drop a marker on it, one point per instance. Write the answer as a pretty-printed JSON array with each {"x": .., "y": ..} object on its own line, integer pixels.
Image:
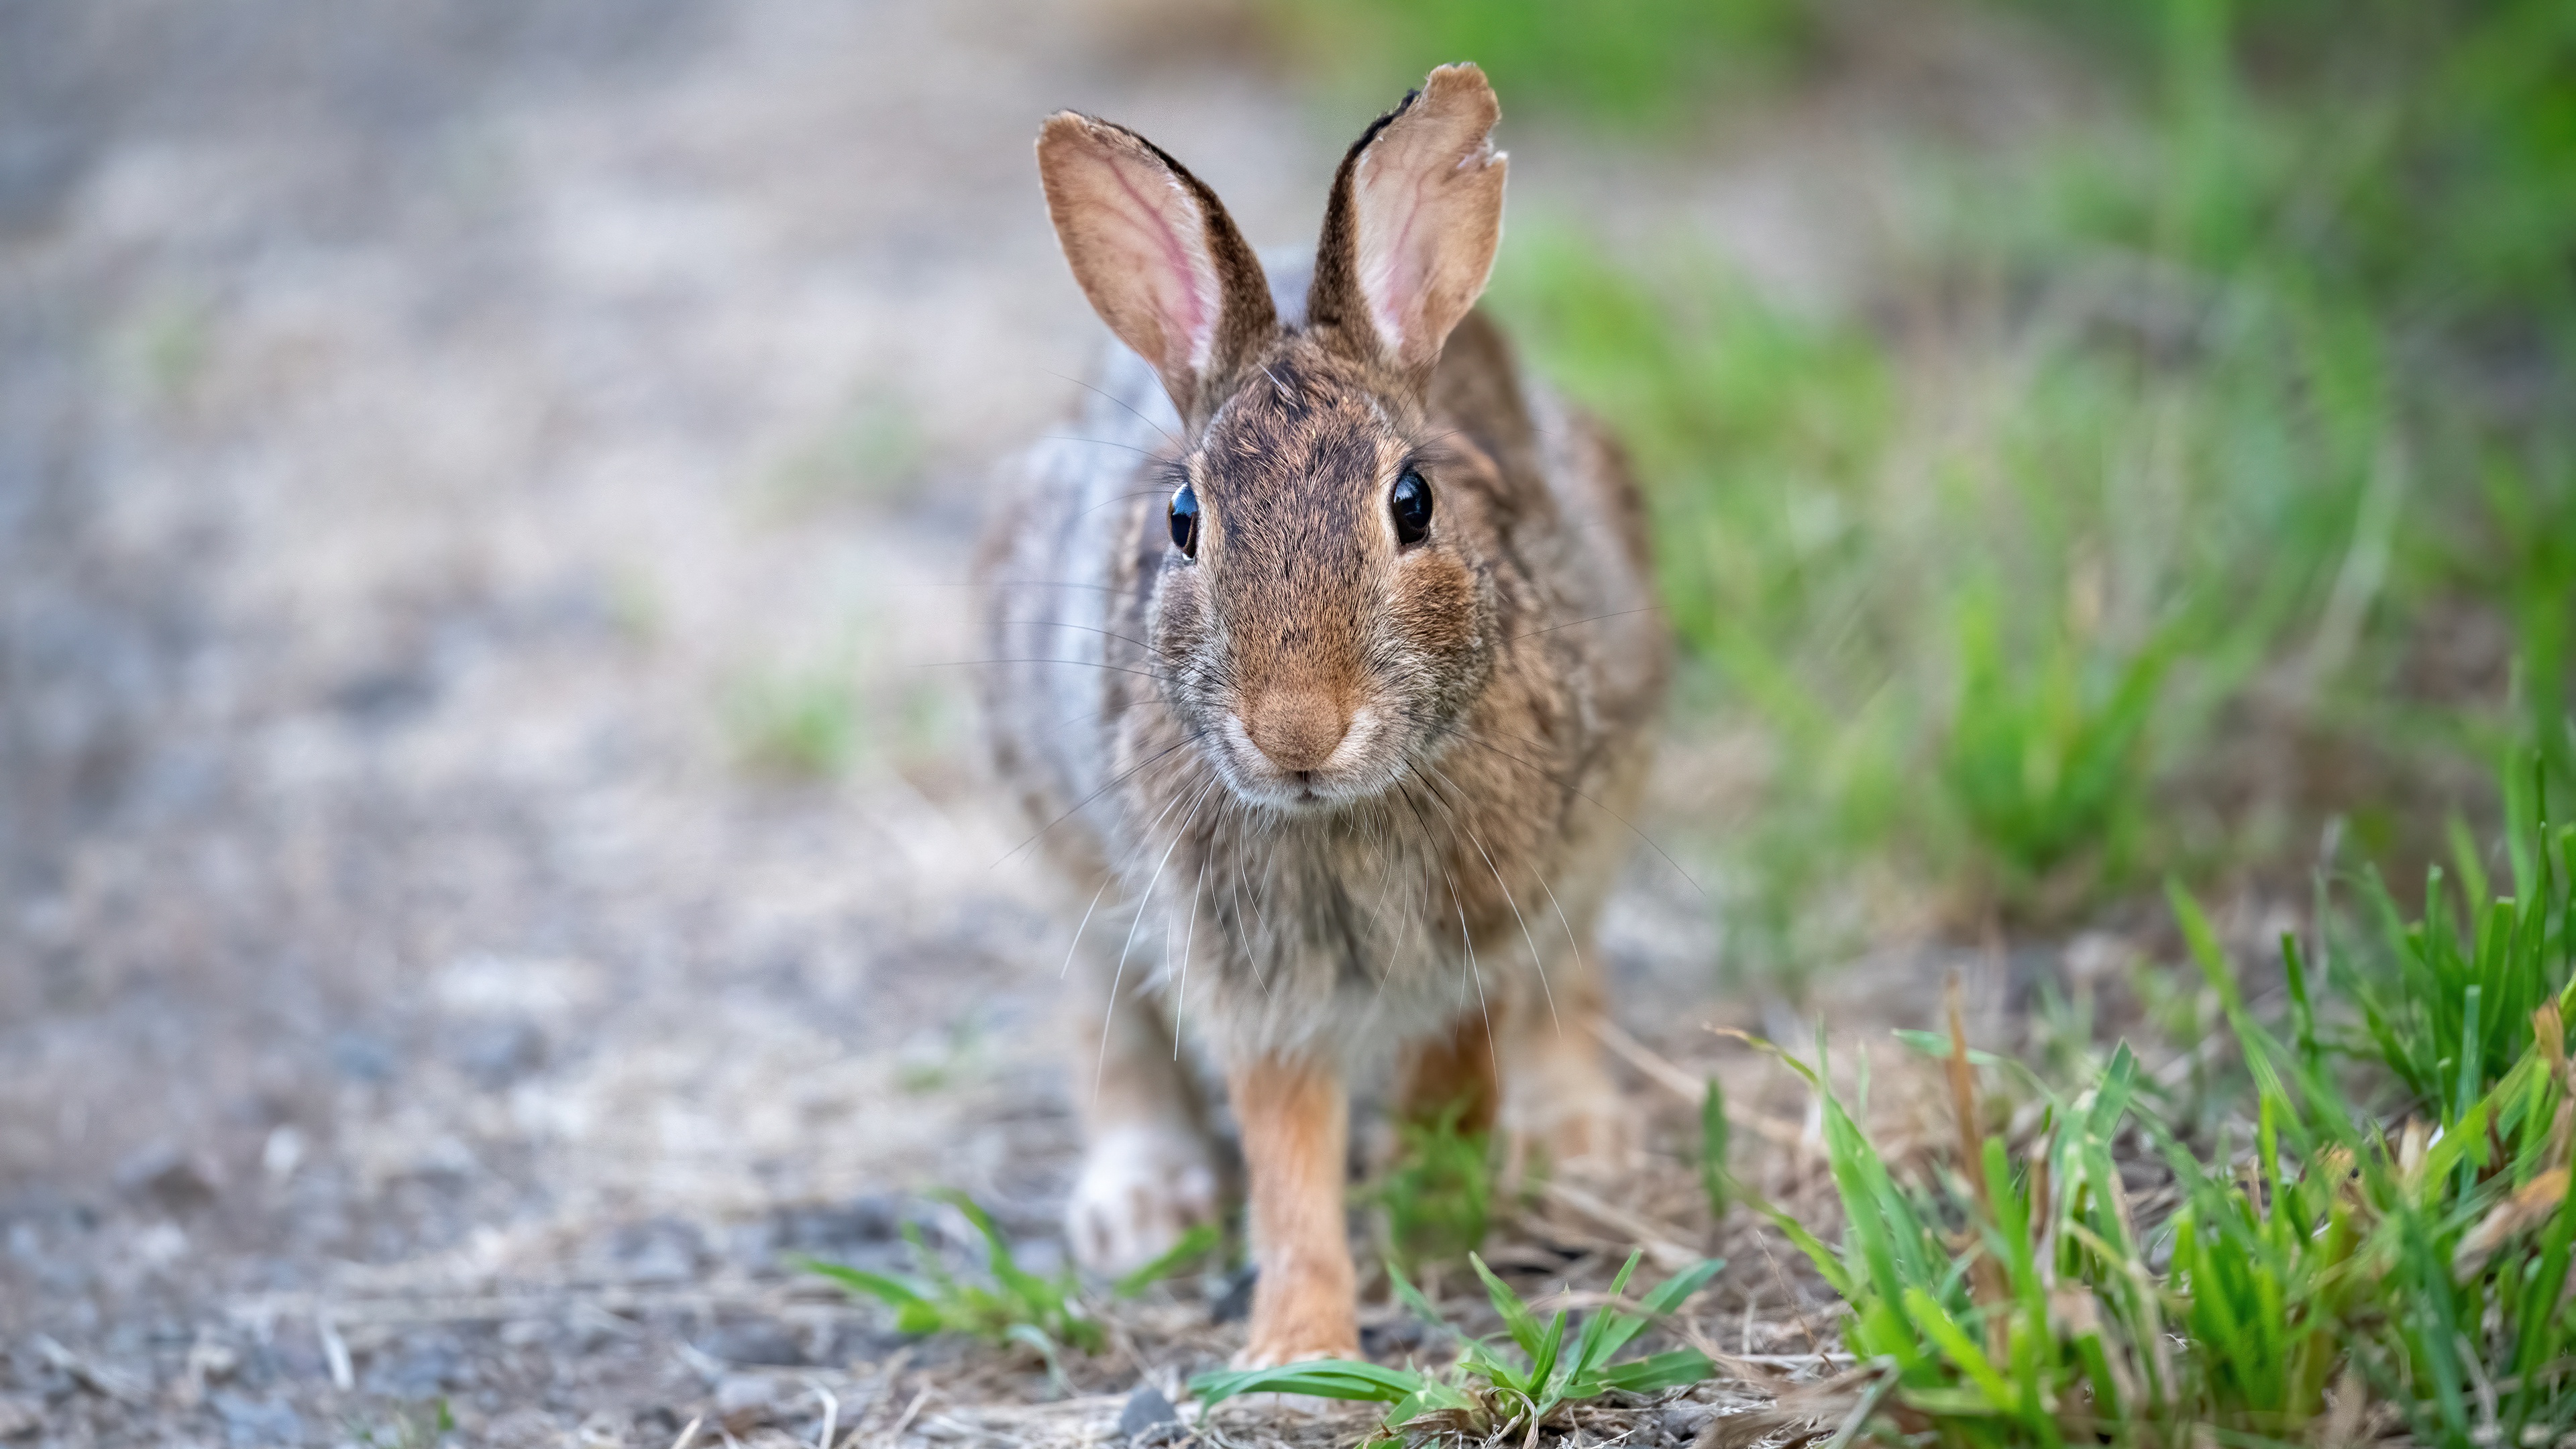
[
  {"x": 1452, "y": 1077},
  {"x": 1344, "y": 799},
  {"x": 1295, "y": 1121}
]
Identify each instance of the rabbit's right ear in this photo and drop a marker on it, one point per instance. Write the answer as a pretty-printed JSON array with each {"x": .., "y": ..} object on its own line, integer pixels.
[{"x": 1155, "y": 252}]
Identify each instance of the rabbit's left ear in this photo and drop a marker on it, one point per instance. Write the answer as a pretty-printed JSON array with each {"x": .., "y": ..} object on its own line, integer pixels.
[
  {"x": 1157, "y": 255},
  {"x": 1415, "y": 217}
]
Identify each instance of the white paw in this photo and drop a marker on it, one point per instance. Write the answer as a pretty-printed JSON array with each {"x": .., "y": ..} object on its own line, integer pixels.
[
  {"x": 1140, "y": 1189},
  {"x": 1587, "y": 1134}
]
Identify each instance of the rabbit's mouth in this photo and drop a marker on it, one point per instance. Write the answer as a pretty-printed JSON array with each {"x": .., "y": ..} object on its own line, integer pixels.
[{"x": 1352, "y": 770}]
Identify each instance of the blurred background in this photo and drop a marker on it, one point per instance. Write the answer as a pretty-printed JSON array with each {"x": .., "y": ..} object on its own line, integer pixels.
[{"x": 490, "y": 808}]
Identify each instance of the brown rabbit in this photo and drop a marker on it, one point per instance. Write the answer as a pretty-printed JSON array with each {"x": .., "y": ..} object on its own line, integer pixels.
[{"x": 1330, "y": 668}]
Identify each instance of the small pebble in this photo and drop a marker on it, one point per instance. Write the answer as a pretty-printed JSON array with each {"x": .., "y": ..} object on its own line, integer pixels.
[
  {"x": 1235, "y": 1303},
  {"x": 168, "y": 1178},
  {"x": 745, "y": 1401},
  {"x": 1146, "y": 1408}
]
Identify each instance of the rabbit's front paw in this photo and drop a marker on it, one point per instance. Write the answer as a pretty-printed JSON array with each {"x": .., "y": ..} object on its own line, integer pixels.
[
  {"x": 1141, "y": 1188},
  {"x": 1581, "y": 1131},
  {"x": 1311, "y": 1326}
]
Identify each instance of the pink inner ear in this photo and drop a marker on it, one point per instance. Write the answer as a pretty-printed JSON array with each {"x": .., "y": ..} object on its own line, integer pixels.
[
  {"x": 1136, "y": 234},
  {"x": 1166, "y": 247},
  {"x": 1429, "y": 201},
  {"x": 1392, "y": 269},
  {"x": 1183, "y": 280}
]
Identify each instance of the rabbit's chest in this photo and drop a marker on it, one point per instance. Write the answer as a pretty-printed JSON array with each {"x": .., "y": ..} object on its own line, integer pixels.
[{"x": 1345, "y": 939}]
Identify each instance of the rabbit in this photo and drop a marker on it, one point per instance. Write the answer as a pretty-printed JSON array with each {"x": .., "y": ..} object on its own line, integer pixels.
[{"x": 1327, "y": 662}]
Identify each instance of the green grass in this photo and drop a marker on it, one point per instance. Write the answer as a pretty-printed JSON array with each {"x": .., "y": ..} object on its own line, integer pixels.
[
  {"x": 795, "y": 723},
  {"x": 2221, "y": 412},
  {"x": 1046, "y": 1314},
  {"x": 2387, "y": 1221},
  {"x": 1716, "y": 1177},
  {"x": 1437, "y": 1195},
  {"x": 421, "y": 1426},
  {"x": 862, "y": 457},
  {"x": 1635, "y": 66},
  {"x": 1491, "y": 1389}
]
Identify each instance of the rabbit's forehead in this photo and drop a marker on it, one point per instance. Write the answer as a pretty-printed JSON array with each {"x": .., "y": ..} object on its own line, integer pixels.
[{"x": 1290, "y": 444}]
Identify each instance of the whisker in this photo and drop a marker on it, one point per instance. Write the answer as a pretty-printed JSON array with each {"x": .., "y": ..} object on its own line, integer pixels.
[
  {"x": 1459, "y": 732},
  {"x": 1153, "y": 649},
  {"x": 1019, "y": 584},
  {"x": 1067, "y": 968},
  {"x": 1097, "y": 442},
  {"x": 1570, "y": 623},
  {"x": 1382, "y": 835},
  {"x": 1115, "y": 781},
  {"x": 1412, "y": 919},
  {"x": 1459, "y": 815},
  {"x": 1571, "y": 943},
  {"x": 1122, "y": 402},
  {"x": 1078, "y": 663},
  {"x": 1466, "y": 938},
  {"x": 1100, "y": 1072},
  {"x": 1242, "y": 891},
  {"x": 1116, "y": 498},
  {"x": 1189, "y": 934}
]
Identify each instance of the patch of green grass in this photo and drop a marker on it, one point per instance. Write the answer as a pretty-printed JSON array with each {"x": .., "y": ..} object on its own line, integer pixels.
[
  {"x": 1716, "y": 1180},
  {"x": 1013, "y": 1307},
  {"x": 2230, "y": 394},
  {"x": 2524, "y": 562},
  {"x": 1493, "y": 1390},
  {"x": 864, "y": 456},
  {"x": 1196, "y": 1245},
  {"x": 1998, "y": 610},
  {"x": 2443, "y": 999},
  {"x": 2334, "y": 1254},
  {"x": 1635, "y": 65},
  {"x": 1437, "y": 1194},
  {"x": 799, "y": 724},
  {"x": 422, "y": 1427},
  {"x": 935, "y": 1064},
  {"x": 2045, "y": 756}
]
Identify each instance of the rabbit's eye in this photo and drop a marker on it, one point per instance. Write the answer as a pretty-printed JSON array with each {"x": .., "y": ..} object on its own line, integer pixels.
[
  {"x": 1185, "y": 520},
  {"x": 1411, "y": 505}
]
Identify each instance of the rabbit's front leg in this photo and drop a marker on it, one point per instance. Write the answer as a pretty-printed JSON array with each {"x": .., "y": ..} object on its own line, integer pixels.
[
  {"x": 1559, "y": 1101},
  {"x": 1295, "y": 1121},
  {"x": 1147, "y": 1176}
]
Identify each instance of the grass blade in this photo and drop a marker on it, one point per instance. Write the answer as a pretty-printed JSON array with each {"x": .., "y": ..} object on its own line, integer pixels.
[
  {"x": 1327, "y": 1378},
  {"x": 893, "y": 1292},
  {"x": 1518, "y": 1321},
  {"x": 1198, "y": 1242}
]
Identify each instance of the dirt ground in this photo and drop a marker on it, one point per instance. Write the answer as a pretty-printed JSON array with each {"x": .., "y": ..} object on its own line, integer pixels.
[{"x": 428, "y": 433}]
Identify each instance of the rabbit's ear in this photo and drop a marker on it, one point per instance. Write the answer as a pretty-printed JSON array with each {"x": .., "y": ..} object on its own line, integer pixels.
[
  {"x": 1155, "y": 252},
  {"x": 1410, "y": 231}
]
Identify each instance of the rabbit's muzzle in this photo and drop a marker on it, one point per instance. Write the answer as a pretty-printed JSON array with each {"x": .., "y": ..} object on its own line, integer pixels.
[
  {"x": 1298, "y": 750},
  {"x": 1296, "y": 730}
]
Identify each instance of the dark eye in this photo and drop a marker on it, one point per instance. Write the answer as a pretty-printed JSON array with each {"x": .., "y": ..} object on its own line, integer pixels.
[
  {"x": 1411, "y": 504},
  {"x": 1185, "y": 520}
]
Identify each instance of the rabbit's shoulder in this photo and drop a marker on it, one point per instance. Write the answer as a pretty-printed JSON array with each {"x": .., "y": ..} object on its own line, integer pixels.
[{"x": 1060, "y": 573}]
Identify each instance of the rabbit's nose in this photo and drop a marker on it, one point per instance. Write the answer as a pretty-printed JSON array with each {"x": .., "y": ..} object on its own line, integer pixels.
[{"x": 1297, "y": 729}]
